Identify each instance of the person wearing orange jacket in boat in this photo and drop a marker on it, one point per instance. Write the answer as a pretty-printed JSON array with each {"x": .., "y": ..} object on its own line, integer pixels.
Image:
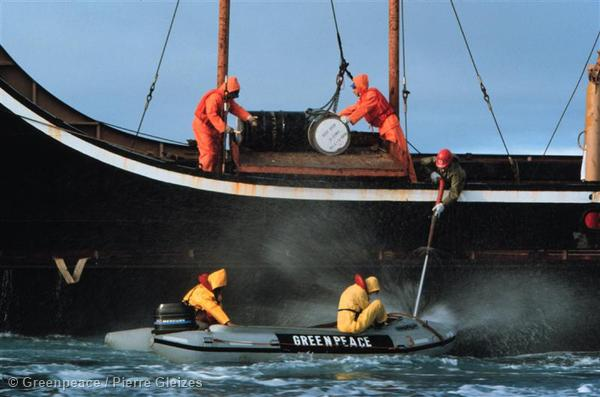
[
  {"x": 207, "y": 297},
  {"x": 355, "y": 312},
  {"x": 377, "y": 111},
  {"x": 210, "y": 124}
]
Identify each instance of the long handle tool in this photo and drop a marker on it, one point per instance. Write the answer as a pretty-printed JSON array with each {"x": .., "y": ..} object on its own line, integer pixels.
[{"x": 440, "y": 194}]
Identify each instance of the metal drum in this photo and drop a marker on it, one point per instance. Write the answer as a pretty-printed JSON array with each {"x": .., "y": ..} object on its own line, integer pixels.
[
  {"x": 277, "y": 132},
  {"x": 328, "y": 135},
  {"x": 296, "y": 132}
]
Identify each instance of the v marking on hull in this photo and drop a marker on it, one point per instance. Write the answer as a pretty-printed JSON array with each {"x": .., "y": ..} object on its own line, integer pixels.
[{"x": 62, "y": 268}]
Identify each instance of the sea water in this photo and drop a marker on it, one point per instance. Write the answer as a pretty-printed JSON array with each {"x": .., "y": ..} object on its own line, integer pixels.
[{"x": 68, "y": 366}]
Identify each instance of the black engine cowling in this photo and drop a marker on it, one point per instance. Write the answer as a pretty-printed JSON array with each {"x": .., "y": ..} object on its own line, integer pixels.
[{"x": 174, "y": 317}]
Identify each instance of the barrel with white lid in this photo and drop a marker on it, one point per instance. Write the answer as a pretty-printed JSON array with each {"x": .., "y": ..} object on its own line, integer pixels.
[{"x": 328, "y": 135}]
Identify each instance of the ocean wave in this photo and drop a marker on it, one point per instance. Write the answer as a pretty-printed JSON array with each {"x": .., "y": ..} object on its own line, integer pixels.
[
  {"x": 477, "y": 390},
  {"x": 76, "y": 374},
  {"x": 586, "y": 388}
]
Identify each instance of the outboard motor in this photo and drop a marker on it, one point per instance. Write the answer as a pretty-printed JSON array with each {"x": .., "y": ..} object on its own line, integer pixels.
[{"x": 174, "y": 317}]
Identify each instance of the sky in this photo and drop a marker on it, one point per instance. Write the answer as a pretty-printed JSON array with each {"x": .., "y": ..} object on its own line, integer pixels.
[{"x": 100, "y": 58}]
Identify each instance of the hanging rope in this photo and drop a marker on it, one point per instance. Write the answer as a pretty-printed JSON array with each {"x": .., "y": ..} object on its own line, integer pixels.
[
  {"x": 405, "y": 91},
  {"x": 534, "y": 173},
  {"x": 514, "y": 166},
  {"x": 331, "y": 105},
  {"x": 153, "y": 85},
  {"x": 572, "y": 94}
]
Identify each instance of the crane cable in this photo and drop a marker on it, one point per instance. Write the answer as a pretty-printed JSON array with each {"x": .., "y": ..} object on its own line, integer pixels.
[
  {"x": 405, "y": 91},
  {"x": 534, "y": 173},
  {"x": 332, "y": 104},
  {"x": 572, "y": 95},
  {"x": 153, "y": 85},
  {"x": 513, "y": 164}
]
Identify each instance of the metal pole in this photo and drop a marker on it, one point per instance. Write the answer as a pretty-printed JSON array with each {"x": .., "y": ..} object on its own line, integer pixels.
[
  {"x": 223, "y": 42},
  {"x": 429, "y": 240},
  {"x": 592, "y": 124},
  {"x": 394, "y": 38}
]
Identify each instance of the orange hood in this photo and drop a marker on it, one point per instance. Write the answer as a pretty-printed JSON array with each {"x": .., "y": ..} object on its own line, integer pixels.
[
  {"x": 233, "y": 84},
  {"x": 361, "y": 82},
  {"x": 218, "y": 279}
]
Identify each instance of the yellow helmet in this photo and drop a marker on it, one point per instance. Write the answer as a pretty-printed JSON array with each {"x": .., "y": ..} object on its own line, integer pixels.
[
  {"x": 372, "y": 284},
  {"x": 218, "y": 279}
]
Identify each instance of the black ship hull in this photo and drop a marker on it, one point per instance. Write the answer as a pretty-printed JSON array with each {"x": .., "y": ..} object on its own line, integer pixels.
[
  {"x": 58, "y": 200},
  {"x": 143, "y": 227}
]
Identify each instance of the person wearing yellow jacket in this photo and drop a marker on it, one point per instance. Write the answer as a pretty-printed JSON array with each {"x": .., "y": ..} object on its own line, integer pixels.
[
  {"x": 206, "y": 298},
  {"x": 355, "y": 313}
]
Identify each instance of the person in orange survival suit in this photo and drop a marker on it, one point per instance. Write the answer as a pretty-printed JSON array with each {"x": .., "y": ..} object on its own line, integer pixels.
[
  {"x": 207, "y": 297},
  {"x": 373, "y": 106},
  {"x": 355, "y": 313},
  {"x": 209, "y": 124}
]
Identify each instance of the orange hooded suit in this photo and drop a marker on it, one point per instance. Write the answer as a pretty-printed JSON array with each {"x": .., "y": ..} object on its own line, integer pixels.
[
  {"x": 203, "y": 299},
  {"x": 209, "y": 125},
  {"x": 377, "y": 111}
]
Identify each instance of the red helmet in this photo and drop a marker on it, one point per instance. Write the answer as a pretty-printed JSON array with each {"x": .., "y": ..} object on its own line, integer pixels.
[{"x": 443, "y": 158}]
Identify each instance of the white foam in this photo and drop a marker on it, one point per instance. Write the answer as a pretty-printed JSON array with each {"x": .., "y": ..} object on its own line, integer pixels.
[
  {"x": 78, "y": 375},
  {"x": 275, "y": 382},
  {"x": 476, "y": 390},
  {"x": 584, "y": 389}
]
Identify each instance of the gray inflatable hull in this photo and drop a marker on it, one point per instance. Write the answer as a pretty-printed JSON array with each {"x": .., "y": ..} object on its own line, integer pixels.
[{"x": 220, "y": 343}]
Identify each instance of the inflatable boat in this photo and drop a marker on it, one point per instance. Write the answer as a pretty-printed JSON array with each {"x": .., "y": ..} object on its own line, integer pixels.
[{"x": 175, "y": 336}]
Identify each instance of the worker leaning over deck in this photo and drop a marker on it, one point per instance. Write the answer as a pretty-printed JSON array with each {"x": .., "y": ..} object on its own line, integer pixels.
[
  {"x": 207, "y": 297},
  {"x": 377, "y": 111},
  {"x": 209, "y": 124},
  {"x": 355, "y": 313},
  {"x": 446, "y": 166}
]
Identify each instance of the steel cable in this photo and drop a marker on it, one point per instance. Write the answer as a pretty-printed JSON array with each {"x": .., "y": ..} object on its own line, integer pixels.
[
  {"x": 153, "y": 85},
  {"x": 514, "y": 166},
  {"x": 534, "y": 173},
  {"x": 405, "y": 91},
  {"x": 572, "y": 94},
  {"x": 339, "y": 80}
]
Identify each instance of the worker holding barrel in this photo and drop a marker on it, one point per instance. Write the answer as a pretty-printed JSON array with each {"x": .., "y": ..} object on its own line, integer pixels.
[{"x": 377, "y": 111}]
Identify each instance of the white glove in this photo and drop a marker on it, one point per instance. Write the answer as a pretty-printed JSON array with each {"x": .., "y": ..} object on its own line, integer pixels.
[
  {"x": 229, "y": 130},
  {"x": 345, "y": 120},
  {"x": 237, "y": 136},
  {"x": 253, "y": 120},
  {"x": 438, "y": 209},
  {"x": 435, "y": 177}
]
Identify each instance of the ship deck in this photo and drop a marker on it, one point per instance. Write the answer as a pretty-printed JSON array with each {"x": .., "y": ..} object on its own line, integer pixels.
[{"x": 356, "y": 163}]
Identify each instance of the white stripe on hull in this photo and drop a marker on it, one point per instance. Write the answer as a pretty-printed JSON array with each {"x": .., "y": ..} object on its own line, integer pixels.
[{"x": 282, "y": 192}]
